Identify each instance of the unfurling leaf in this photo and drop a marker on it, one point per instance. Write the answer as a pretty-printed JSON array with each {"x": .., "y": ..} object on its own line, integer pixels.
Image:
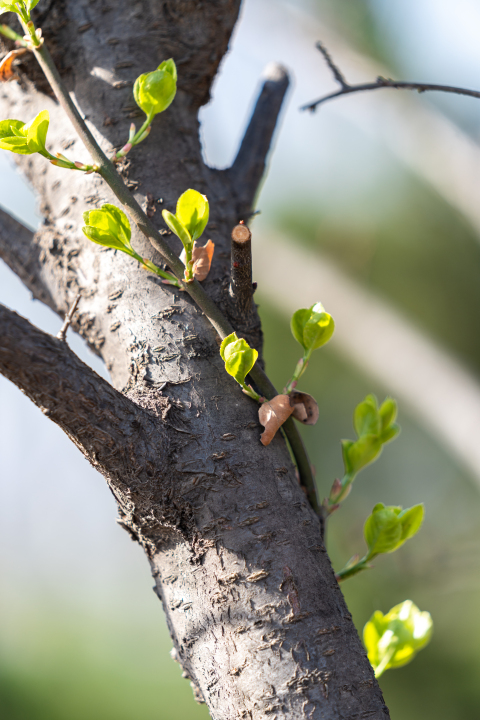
[
  {"x": 193, "y": 212},
  {"x": 388, "y": 527},
  {"x": 37, "y": 132},
  {"x": 238, "y": 356},
  {"x": 110, "y": 227},
  {"x": 24, "y": 139},
  {"x": 13, "y": 138},
  {"x": 375, "y": 427},
  {"x": 177, "y": 228},
  {"x": 155, "y": 91},
  {"x": 393, "y": 640},
  {"x": 305, "y": 407},
  {"x": 312, "y": 327},
  {"x": 272, "y": 414},
  {"x": 191, "y": 217}
]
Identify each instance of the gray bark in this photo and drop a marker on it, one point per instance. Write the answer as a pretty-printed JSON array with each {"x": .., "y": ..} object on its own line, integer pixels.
[{"x": 256, "y": 617}]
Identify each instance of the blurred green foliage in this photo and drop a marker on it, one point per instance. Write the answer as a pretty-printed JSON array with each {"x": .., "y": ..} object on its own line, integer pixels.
[
  {"x": 420, "y": 254},
  {"x": 58, "y": 662}
]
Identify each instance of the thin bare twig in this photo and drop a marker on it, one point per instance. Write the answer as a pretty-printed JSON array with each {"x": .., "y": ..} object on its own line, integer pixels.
[
  {"x": 336, "y": 72},
  {"x": 381, "y": 82},
  {"x": 68, "y": 318}
]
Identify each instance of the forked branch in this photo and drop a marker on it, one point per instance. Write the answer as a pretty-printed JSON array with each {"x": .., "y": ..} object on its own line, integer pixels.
[
  {"x": 114, "y": 434},
  {"x": 381, "y": 82}
]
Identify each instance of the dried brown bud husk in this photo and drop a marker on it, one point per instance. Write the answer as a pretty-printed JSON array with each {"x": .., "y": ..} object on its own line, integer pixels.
[
  {"x": 6, "y": 68},
  {"x": 201, "y": 259},
  {"x": 272, "y": 414},
  {"x": 305, "y": 407}
]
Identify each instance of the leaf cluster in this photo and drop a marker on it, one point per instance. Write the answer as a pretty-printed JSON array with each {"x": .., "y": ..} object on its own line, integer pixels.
[
  {"x": 155, "y": 91},
  {"x": 26, "y": 138},
  {"x": 388, "y": 527},
  {"x": 20, "y": 7},
  {"x": 375, "y": 426},
  {"x": 312, "y": 327},
  {"x": 393, "y": 640}
]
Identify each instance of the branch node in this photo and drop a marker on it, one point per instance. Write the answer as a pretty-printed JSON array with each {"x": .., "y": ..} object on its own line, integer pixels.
[
  {"x": 68, "y": 318},
  {"x": 336, "y": 72}
]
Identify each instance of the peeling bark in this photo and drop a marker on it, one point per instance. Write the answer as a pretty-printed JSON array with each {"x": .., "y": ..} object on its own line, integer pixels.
[{"x": 255, "y": 614}]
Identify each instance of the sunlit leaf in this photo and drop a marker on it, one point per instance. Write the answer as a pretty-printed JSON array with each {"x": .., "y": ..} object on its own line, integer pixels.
[
  {"x": 393, "y": 640},
  {"x": 155, "y": 91},
  {"x": 193, "y": 212},
  {"x": 178, "y": 228},
  {"x": 37, "y": 132}
]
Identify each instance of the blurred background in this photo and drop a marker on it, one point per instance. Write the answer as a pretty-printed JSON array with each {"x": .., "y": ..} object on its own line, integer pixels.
[{"x": 373, "y": 204}]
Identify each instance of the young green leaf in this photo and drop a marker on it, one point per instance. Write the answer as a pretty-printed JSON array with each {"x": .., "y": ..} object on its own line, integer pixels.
[
  {"x": 388, "y": 412},
  {"x": 393, "y": 640},
  {"x": 411, "y": 520},
  {"x": 13, "y": 138},
  {"x": 37, "y": 132},
  {"x": 361, "y": 453},
  {"x": 193, "y": 212},
  {"x": 178, "y": 229},
  {"x": 239, "y": 359},
  {"x": 7, "y": 7},
  {"x": 312, "y": 327},
  {"x": 103, "y": 238},
  {"x": 31, "y": 4},
  {"x": 388, "y": 527},
  {"x": 227, "y": 341},
  {"x": 366, "y": 418},
  {"x": 383, "y": 531},
  {"x": 155, "y": 91},
  {"x": 109, "y": 226}
]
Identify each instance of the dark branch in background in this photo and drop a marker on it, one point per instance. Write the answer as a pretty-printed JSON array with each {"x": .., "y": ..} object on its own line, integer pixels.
[
  {"x": 381, "y": 82},
  {"x": 241, "y": 289},
  {"x": 248, "y": 168},
  {"x": 21, "y": 255},
  {"x": 62, "y": 334},
  {"x": 111, "y": 431}
]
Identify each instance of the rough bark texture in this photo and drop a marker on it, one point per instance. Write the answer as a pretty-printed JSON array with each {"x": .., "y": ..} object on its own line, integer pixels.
[{"x": 257, "y": 619}]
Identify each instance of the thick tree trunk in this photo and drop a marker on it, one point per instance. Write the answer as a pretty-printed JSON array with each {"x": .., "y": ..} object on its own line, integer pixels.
[{"x": 257, "y": 619}]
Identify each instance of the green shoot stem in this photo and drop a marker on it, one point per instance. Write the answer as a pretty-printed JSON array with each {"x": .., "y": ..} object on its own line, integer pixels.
[
  {"x": 298, "y": 372},
  {"x": 135, "y": 140},
  {"x": 9, "y": 33},
  {"x": 349, "y": 571},
  {"x": 383, "y": 665},
  {"x": 108, "y": 172},
  {"x": 342, "y": 493},
  {"x": 248, "y": 390}
]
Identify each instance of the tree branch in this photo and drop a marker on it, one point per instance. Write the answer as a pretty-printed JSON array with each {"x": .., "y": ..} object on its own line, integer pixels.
[
  {"x": 381, "y": 82},
  {"x": 119, "y": 438},
  {"x": 19, "y": 252},
  {"x": 241, "y": 289},
  {"x": 249, "y": 165}
]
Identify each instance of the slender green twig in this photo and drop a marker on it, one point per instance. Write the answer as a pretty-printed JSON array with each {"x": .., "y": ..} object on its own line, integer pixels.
[
  {"x": 108, "y": 172},
  {"x": 9, "y": 33}
]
